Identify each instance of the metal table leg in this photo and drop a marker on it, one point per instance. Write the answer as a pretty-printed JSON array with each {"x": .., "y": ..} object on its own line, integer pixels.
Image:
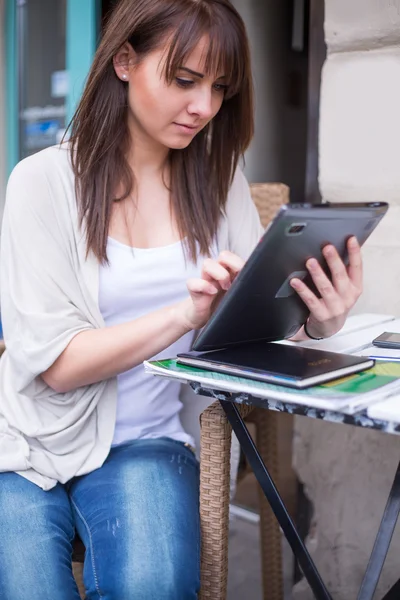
[
  {"x": 271, "y": 493},
  {"x": 382, "y": 543}
]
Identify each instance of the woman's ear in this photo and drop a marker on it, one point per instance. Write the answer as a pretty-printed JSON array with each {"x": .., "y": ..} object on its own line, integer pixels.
[{"x": 123, "y": 61}]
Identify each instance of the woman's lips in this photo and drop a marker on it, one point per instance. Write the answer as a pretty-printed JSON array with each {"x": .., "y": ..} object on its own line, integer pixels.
[{"x": 188, "y": 129}]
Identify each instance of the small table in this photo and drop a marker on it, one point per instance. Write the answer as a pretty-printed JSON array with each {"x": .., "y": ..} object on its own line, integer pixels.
[{"x": 358, "y": 332}]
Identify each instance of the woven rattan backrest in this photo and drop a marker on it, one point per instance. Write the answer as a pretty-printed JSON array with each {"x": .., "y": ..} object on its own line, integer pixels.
[{"x": 268, "y": 198}]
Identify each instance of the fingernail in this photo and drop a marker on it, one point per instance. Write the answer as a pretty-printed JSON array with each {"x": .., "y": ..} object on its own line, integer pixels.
[
  {"x": 311, "y": 264},
  {"x": 295, "y": 283}
]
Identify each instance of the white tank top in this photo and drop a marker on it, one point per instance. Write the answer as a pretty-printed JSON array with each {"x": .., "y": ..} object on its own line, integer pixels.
[{"x": 138, "y": 281}]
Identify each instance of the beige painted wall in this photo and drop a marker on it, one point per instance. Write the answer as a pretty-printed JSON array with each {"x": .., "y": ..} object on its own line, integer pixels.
[
  {"x": 361, "y": 24},
  {"x": 360, "y": 130},
  {"x": 348, "y": 471}
]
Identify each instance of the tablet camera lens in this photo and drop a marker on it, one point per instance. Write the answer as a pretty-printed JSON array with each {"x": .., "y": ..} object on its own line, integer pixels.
[{"x": 296, "y": 228}]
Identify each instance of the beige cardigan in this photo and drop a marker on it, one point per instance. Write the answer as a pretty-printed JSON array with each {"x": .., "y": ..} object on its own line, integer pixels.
[{"x": 49, "y": 293}]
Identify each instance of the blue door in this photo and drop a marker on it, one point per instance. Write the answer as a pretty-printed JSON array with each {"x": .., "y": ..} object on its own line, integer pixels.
[{"x": 50, "y": 46}]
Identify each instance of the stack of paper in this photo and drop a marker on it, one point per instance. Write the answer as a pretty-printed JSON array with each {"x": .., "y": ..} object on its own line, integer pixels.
[
  {"x": 385, "y": 354},
  {"x": 387, "y": 410}
]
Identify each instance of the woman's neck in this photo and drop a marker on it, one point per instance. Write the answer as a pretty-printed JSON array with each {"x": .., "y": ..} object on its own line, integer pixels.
[{"x": 146, "y": 157}]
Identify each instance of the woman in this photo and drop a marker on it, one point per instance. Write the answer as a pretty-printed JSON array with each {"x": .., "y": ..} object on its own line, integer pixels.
[{"x": 115, "y": 248}]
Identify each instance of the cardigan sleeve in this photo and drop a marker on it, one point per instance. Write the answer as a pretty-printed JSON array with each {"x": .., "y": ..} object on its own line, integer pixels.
[{"x": 41, "y": 301}]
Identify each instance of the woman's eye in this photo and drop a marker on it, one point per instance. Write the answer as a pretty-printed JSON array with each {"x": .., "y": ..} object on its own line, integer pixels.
[
  {"x": 220, "y": 87},
  {"x": 184, "y": 82}
]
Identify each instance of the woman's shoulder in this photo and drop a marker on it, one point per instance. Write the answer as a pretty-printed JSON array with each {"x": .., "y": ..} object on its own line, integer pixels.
[
  {"x": 46, "y": 163},
  {"x": 45, "y": 178}
]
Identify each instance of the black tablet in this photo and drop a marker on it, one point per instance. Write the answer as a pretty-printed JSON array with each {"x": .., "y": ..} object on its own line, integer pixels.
[{"x": 261, "y": 305}]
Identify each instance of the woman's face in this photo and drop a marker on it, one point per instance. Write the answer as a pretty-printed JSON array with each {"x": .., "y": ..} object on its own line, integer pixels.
[{"x": 171, "y": 114}]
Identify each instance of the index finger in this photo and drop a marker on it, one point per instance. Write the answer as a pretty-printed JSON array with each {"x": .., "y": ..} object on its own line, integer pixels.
[
  {"x": 230, "y": 260},
  {"x": 355, "y": 262}
]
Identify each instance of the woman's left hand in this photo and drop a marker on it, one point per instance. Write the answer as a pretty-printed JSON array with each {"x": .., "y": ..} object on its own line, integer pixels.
[{"x": 328, "y": 313}]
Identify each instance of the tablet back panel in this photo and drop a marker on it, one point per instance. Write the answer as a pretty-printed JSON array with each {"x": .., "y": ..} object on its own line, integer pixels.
[{"x": 261, "y": 305}]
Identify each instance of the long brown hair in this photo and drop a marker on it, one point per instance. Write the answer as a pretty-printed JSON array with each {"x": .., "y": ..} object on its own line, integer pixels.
[{"x": 202, "y": 173}]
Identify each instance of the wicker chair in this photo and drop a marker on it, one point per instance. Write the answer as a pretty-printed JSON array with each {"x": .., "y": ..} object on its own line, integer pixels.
[{"x": 216, "y": 435}]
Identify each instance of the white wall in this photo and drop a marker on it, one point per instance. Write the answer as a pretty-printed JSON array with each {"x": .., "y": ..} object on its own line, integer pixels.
[{"x": 2, "y": 106}]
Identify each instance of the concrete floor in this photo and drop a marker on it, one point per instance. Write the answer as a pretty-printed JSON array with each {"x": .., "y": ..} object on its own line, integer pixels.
[{"x": 244, "y": 579}]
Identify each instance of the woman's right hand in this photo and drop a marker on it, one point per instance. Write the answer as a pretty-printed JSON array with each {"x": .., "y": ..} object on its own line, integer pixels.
[{"x": 207, "y": 291}]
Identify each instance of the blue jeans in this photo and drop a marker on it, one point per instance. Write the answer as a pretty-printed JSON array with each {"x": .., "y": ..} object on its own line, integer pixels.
[{"x": 138, "y": 516}]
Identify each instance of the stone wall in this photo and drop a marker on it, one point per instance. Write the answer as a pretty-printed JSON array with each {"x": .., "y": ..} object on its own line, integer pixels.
[{"x": 347, "y": 471}]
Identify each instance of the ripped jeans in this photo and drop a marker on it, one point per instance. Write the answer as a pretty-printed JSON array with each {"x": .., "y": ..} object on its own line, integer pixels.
[{"x": 138, "y": 516}]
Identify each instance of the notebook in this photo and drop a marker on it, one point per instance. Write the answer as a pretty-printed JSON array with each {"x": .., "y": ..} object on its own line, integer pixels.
[{"x": 289, "y": 365}]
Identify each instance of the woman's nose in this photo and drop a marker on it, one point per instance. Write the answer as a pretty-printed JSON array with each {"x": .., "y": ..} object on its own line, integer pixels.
[{"x": 202, "y": 104}]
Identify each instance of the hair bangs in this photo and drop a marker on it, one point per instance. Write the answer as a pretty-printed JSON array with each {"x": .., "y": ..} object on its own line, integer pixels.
[{"x": 223, "y": 56}]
